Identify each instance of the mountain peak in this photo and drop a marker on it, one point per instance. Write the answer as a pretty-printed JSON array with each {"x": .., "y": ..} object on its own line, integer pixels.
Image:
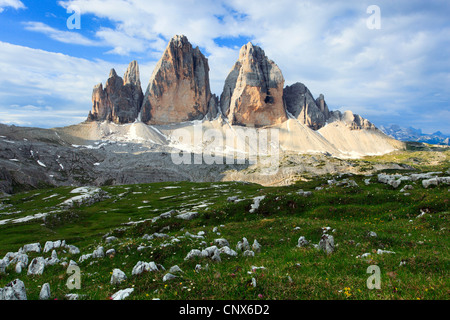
[
  {"x": 132, "y": 74},
  {"x": 179, "y": 88},
  {"x": 253, "y": 90},
  {"x": 112, "y": 73}
]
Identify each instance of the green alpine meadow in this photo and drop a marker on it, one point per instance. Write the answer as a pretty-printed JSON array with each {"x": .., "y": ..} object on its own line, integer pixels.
[{"x": 402, "y": 230}]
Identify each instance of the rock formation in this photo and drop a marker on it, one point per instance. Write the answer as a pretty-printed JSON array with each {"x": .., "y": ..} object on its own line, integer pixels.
[
  {"x": 314, "y": 113},
  {"x": 179, "y": 88},
  {"x": 353, "y": 121},
  {"x": 301, "y": 104},
  {"x": 120, "y": 101},
  {"x": 253, "y": 91}
]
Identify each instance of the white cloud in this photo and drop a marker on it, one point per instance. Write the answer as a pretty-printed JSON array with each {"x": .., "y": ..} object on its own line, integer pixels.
[
  {"x": 16, "y": 4},
  {"x": 69, "y": 37}
]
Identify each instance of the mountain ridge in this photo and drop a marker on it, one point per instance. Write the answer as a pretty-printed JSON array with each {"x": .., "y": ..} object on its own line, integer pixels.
[
  {"x": 253, "y": 95},
  {"x": 415, "y": 135}
]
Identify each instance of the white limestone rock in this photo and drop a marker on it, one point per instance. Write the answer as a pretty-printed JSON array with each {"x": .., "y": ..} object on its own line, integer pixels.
[
  {"x": 32, "y": 247},
  {"x": 302, "y": 242},
  {"x": 122, "y": 294},
  {"x": 37, "y": 266},
  {"x": 193, "y": 253},
  {"x": 168, "y": 277},
  {"x": 118, "y": 276},
  {"x": 256, "y": 247},
  {"x": 327, "y": 243},
  {"x": 45, "y": 293},
  {"x": 14, "y": 290}
]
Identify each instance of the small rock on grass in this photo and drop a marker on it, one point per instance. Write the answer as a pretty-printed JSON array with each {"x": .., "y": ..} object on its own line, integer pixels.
[
  {"x": 118, "y": 276},
  {"x": 45, "y": 292},
  {"x": 168, "y": 277}
]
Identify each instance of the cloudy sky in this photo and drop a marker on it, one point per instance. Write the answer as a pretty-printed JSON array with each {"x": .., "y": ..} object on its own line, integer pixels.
[{"x": 395, "y": 70}]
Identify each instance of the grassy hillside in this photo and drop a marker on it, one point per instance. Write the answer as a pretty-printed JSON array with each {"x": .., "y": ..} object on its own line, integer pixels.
[{"x": 414, "y": 226}]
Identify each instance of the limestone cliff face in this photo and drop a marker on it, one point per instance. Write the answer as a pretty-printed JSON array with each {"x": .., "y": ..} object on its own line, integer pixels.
[
  {"x": 301, "y": 104},
  {"x": 314, "y": 113},
  {"x": 253, "y": 91},
  {"x": 179, "y": 88},
  {"x": 120, "y": 101}
]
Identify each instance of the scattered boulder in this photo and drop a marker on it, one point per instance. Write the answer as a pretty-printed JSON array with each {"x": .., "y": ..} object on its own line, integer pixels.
[
  {"x": 304, "y": 193},
  {"x": 256, "y": 203},
  {"x": 118, "y": 276},
  {"x": 122, "y": 294},
  {"x": 302, "y": 242},
  {"x": 248, "y": 253},
  {"x": 110, "y": 239},
  {"x": 256, "y": 247},
  {"x": 32, "y": 247},
  {"x": 208, "y": 252},
  {"x": 379, "y": 251},
  {"x": 221, "y": 242},
  {"x": 52, "y": 260},
  {"x": 168, "y": 277},
  {"x": 245, "y": 244},
  {"x": 51, "y": 245},
  {"x": 175, "y": 269},
  {"x": 193, "y": 253},
  {"x": 3, "y": 266},
  {"x": 19, "y": 267},
  {"x": 216, "y": 256},
  {"x": 435, "y": 181},
  {"x": 45, "y": 292},
  {"x": 407, "y": 187},
  {"x": 141, "y": 266},
  {"x": 36, "y": 266},
  {"x": 98, "y": 253},
  {"x": 85, "y": 257},
  {"x": 187, "y": 216},
  {"x": 72, "y": 296},
  {"x": 15, "y": 290},
  {"x": 72, "y": 263},
  {"x": 327, "y": 243},
  {"x": 73, "y": 249},
  {"x": 228, "y": 251}
]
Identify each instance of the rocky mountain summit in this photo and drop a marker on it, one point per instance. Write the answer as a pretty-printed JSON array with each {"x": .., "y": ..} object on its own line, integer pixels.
[
  {"x": 253, "y": 90},
  {"x": 120, "y": 101},
  {"x": 314, "y": 113},
  {"x": 179, "y": 88}
]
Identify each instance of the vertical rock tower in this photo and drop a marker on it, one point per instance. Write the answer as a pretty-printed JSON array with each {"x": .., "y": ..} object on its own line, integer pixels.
[
  {"x": 120, "y": 101},
  {"x": 179, "y": 88},
  {"x": 253, "y": 91}
]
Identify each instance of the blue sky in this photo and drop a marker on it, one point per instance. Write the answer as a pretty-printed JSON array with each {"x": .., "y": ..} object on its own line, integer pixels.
[{"x": 398, "y": 74}]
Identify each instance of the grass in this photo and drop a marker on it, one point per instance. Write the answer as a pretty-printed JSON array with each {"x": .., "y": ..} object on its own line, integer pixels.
[{"x": 289, "y": 273}]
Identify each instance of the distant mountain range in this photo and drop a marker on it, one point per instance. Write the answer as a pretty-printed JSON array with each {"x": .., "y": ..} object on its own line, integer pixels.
[{"x": 412, "y": 134}]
